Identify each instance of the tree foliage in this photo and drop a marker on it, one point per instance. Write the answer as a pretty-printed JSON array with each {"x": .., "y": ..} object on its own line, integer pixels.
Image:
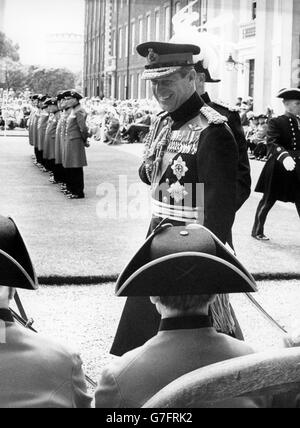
[
  {"x": 8, "y": 49},
  {"x": 49, "y": 80}
]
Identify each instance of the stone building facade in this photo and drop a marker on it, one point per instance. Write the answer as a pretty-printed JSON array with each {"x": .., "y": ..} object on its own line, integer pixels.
[{"x": 261, "y": 37}]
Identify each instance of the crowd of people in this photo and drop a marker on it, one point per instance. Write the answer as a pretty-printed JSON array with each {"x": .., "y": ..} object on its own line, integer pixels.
[{"x": 14, "y": 110}]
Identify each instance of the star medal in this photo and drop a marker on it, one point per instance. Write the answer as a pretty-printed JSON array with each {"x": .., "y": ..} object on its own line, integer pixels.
[{"x": 179, "y": 168}]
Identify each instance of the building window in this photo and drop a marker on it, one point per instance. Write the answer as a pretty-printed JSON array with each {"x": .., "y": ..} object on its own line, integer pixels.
[
  {"x": 125, "y": 88},
  {"x": 156, "y": 19},
  {"x": 113, "y": 43},
  {"x": 251, "y": 77},
  {"x": 139, "y": 84},
  {"x": 120, "y": 42},
  {"x": 140, "y": 30},
  {"x": 177, "y": 6},
  {"x": 132, "y": 86},
  {"x": 148, "y": 28},
  {"x": 254, "y": 10},
  {"x": 133, "y": 38},
  {"x": 126, "y": 40},
  {"x": 167, "y": 23}
]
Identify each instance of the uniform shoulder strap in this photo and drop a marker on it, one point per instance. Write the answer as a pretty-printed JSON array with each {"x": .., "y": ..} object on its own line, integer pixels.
[{"x": 212, "y": 116}]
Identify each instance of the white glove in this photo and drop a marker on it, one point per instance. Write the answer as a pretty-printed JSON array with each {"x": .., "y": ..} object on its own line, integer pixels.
[{"x": 289, "y": 164}]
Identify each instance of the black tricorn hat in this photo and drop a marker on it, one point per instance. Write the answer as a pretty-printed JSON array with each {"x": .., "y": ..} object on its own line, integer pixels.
[
  {"x": 199, "y": 67},
  {"x": 179, "y": 260},
  {"x": 16, "y": 269}
]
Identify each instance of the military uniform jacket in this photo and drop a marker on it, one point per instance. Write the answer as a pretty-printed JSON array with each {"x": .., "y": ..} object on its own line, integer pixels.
[
  {"x": 35, "y": 121},
  {"x": 283, "y": 140},
  {"x": 50, "y": 134},
  {"x": 41, "y": 129},
  {"x": 76, "y": 135},
  {"x": 37, "y": 373},
  {"x": 196, "y": 181},
  {"x": 234, "y": 122},
  {"x": 30, "y": 126},
  {"x": 176, "y": 350}
]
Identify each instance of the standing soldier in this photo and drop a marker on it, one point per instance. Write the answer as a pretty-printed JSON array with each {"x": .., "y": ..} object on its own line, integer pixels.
[
  {"x": 59, "y": 173},
  {"x": 41, "y": 130},
  {"x": 191, "y": 163},
  {"x": 280, "y": 178},
  {"x": 34, "y": 125},
  {"x": 49, "y": 147},
  {"x": 75, "y": 142},
  {"x": 34, "y": 102}
]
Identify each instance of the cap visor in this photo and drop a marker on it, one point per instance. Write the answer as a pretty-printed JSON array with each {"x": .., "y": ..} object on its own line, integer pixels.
[{"x": 159, "y": 73}]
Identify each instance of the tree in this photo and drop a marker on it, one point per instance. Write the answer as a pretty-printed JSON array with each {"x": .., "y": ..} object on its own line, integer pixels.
[
  {"x": 14, "y": 75},
  {"x": 49, "y": 80},
  {"x": 8, "y": 49}
]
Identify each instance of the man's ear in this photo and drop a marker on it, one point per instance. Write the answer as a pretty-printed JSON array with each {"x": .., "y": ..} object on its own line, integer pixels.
[{"x": 192, "y": 75}]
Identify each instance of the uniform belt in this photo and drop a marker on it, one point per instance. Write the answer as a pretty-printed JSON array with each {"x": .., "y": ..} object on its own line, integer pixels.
[{"x": 177, "y": 213}]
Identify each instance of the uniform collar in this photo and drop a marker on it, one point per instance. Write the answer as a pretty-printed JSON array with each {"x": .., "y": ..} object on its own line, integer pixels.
[
  {"x": 188, "y": 109},
  {"x": 186, "y": 323},
  {"x": 6, "y": 316}
]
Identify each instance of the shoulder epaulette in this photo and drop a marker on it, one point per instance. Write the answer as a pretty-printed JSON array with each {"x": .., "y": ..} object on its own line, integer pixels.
[
  {"x": 227, "y": 106},
  {"x": 213, "y": 117}
]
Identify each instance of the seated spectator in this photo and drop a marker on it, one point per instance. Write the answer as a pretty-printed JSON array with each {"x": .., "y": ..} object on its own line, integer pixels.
[
  {"x": 260, "y": 138},
  {"x": 186, "y": 268},
  {"x": 35, "y": 372}
]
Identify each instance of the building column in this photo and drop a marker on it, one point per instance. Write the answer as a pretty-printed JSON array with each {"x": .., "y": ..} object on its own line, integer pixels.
[{"x": 263, "y": 57}]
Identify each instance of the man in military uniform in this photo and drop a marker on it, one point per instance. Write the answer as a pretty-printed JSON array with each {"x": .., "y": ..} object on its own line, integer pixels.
[
  {"x": 59, "y": 171},
  {"x": 280, "y": 178},
  {"x": 41, "y": 130},
  {"x": 231, "y": 113},
  {"x": 34, "y": 103},
  {"x": 75, "y": 141},
  {"x": 191, "y": 163}
]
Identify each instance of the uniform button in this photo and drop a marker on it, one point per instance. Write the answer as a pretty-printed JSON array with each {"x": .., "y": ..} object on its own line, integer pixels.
[
  {"x": 184, "y": 233},
  {"x": 167, "y": 181}
]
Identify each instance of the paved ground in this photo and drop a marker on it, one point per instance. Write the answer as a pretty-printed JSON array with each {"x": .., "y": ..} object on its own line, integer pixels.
[{"x": 67, "y": 238}]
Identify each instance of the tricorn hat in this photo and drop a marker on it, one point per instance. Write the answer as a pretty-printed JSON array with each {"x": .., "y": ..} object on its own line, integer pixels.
[
  {"x": 165, "y": 59},
  {"x": 16, "y": 269},
  {"x": 199, "y": 67},
  {"x": 51, "y": 102},
  {"x": 289, "y": 94},
  {"x": 179, "y": 260}
]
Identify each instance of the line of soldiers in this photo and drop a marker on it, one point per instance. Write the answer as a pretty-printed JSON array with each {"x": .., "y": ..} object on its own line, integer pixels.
[{"x": 59, "y": 134}]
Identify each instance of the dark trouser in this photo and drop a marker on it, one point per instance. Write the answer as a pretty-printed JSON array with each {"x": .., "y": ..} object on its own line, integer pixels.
[
  {"x": 263, "y": 209},
  {"x": 39, "y": 156},
  {"x": 75, "y": 181},
  {"x": 59, "y": 174},
  {"x": 50, "y": 164}
]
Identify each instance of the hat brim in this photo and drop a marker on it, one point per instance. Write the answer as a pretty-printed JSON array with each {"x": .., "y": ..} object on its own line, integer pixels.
[
  {"x": 12, "y": 274},
  {"x": 13, "y": 246},
  {"x": 186, "y": 274},
  {"x": 136, "y": 272},
  {"x": 289, "y": 94}
]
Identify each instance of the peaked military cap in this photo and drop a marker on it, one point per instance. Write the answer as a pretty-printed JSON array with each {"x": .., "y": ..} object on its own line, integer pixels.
[
  {"x": 16, "y": 269},
  {"x": 179, "y": 260},
  {"x": 72, "y": 94},
  {"x": 289, "y": 94},
  {"x": 165, "y": 59},
  {"x": 51, "y": 102}
]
